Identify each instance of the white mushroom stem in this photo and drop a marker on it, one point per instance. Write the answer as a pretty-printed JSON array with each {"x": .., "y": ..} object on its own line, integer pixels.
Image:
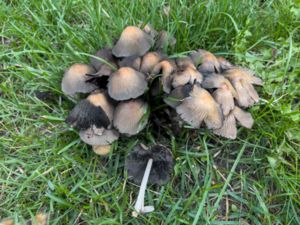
[{"x": 139, "y": 205}]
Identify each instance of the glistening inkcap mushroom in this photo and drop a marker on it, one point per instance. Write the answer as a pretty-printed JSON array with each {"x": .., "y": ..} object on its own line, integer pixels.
[{"x": 154, "y": 165}]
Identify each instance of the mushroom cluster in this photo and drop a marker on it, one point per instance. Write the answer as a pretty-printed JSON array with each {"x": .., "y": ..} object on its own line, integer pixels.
[{"x": 200, "y": 88}]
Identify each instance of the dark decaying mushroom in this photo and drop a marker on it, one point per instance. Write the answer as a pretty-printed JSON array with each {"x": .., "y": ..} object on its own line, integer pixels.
[
  {"x": 154, "y": 165},
  {"x": 75, "y": 79},
  {"x": 177, "y": 95}
]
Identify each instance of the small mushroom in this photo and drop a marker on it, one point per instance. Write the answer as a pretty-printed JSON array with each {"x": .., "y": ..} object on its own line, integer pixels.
[
  {"x": 149, "y": 61},
  {"x": 243, "y": 80},
  {"x": 188, "y": 75},
  {"x": 98, "y": 136},
  {"x": 131, "y": 61},
  {"x": 133, "y": 41},
  {"x": 101, "y": 149},
  {"x": 184, "y": 62},
  {"x": 225, "y": 93},
  {"x": 131, "y": 116},
  {"x": 224, "y": 64},
  {"x": 177, "y": 95},
  {"x": 126, "y": 83},
  {"x": 244, "y": 118},
  {"x": 96, "y": 110},
  {"x": 200, "y": 106},
  {"x": 150, "y": 30},
  {"x": 75, "y": 79},
  {"x": 166, "y": 68},
  {"x": 103, "y": 61},
  {"x": 164, "y": 40},
  {"x": 208, "y": 62},
  {"x": 154, "y": 165}
]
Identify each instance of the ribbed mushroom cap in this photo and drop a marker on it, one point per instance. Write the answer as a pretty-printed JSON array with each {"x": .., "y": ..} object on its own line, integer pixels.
[
  {"x": 243, "y": 117},
  {"x": 166, "y": 68},
  {"x": 177, "y": 95},
  {"x": 224, "y": 63},
  {"x": 133, "y": 41},
  {"x": 101, "y": 149},
  {"x": 184, "y": 62},
  {"x": 224, "y": 97},
  {"x": 105, "y": 56},
  {"x": 126, "y": 83},
  {"x": 149, "y": 61},
  {"x": 131, "y": 61},
  {"x": 188, "y": 75},
  {"x": 96, "y": 110},
  {"x": 164, "y": 40},
  {"x": 98, "y": 136},
  {"x": 228, "y": 129},
  {"x": 75, "y": 79},
  {"x": 200, "y": 106},
  {"x": 208, "y": 63},
  {"x": 162, "y": 165},
  {"x": 243, "y": 80},
  {"x": 130, "y": 117}
]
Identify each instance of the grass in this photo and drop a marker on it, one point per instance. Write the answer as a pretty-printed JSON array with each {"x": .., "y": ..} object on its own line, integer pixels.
[{"x": 44, "y": 166}]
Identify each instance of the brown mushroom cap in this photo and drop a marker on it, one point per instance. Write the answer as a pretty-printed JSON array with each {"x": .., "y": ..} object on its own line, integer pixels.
[
  {"x": 243, "y": 80},
  {"x": 150, "y": 30},
  {"x": 188, "y": 75},
  {"x": 133, "y": 41},
  {"x": 126, "y": 83},
  {"x": 184, "y": 62},
  {"x": 149, "y": 61},
  {"x": 166, "y": 67},
  {"x": 129, "y": 116},
  {"x": 224, "y": 63},
  {"x": 95, "y": 136},
  {"x": 208, "y": 62},
  {"x": 131, "y": 61},
  {"x": 244, "y": 118},
  {"x": 102, "y": 149},
  {"x": 228, "y": 128},
  {"x": 224, "y": 97},
  {"x": 177, "y": 95},
  {"x": 75, "y": 80},
  {"x": 106, "y": 58},
  {"x": 200, "y": 106}
]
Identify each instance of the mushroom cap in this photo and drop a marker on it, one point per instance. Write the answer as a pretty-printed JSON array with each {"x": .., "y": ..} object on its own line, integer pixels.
[
  {"x": 150, "y": 60},
  {"x": 228, "y": 129},
  {"x": 95, "y": 110},
  {"x": 105, "y": 56},
  {"x": 130, "y": 116},
  {"x": 218, "y": 81},
  {"x": 188, "y": 75},
  {"x": 164, "y": 40},
  {"x": 102, "y": 149},
  {"x": 131, "y": 61},
  {"x": 162, "y": 165},
  {"x": 166, "y": 67},
  {"x": 95, "y": 136},
  {"x": 150, "y": 30},
  {"x": 75, "y": 79},
  {"x": 224, "y": 97},
  {"x": 133, "y": 41},
  {"x": 126, "y": 83},
  {"x": 177, "y": 95},
  {"x": 184, "y": 62},
  {"x": 208, "y": 62},
  {"x": 199, "y": 106},
  {"x": 224, "y": 63},
  {"x": 243, "y": 117}
]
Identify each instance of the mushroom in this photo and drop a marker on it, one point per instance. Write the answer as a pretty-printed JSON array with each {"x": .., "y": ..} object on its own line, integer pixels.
[
  {"x": 224, "y": 64},
  {"x": 166, "y": 68},
  {"x": 200, "y": 106},
  {"x": 185, "y": 76},
  {"x": 131, "y": 61},
  {"x": 154, "y": 165},
  {"x": 38, "y": 219},
  {"x": 126, "y": 83},
  {"x": 101, "y": 149},
  {"x": 97, "y": 109},
  {"x": 184, "y": 62},
  {"x": 228, "y": 128},
  {"x": 131, "y": 116},
  {"x": 98, "y": 136},
  {"x": 164, "y": 40},
  {"x": 149, "y": 60},
  {"x": 150, "y": 30},
  {"x": 133, "y": 41},
  {"x": 103, "y": 61},
  {"x": 208, "y": 63},
  {"x": 75, "y": 79},
  {"x": 177, "y": 95},
  {"x": 225, "y": 93},
  {"x": 243, "y": 80}
]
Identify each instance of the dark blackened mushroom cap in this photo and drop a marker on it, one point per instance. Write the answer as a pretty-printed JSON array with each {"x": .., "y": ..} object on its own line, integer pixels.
[
  {"x": 177, "y": 95},
  {"x": 131, "y": 116},
  {"x": 126, "y": 83},
  {"x": 133, "y": 41},
  {"x": 75, "y": 79},
  {"x": 161, "y": 168},
  {"x": 96, "y": 110}
]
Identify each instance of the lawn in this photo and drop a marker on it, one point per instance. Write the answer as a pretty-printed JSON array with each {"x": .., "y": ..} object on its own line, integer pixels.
[{"x": 44, "y": 166}]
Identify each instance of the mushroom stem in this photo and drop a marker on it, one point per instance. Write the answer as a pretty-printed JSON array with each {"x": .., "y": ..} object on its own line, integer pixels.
[{"x": 139, "y": 205}]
